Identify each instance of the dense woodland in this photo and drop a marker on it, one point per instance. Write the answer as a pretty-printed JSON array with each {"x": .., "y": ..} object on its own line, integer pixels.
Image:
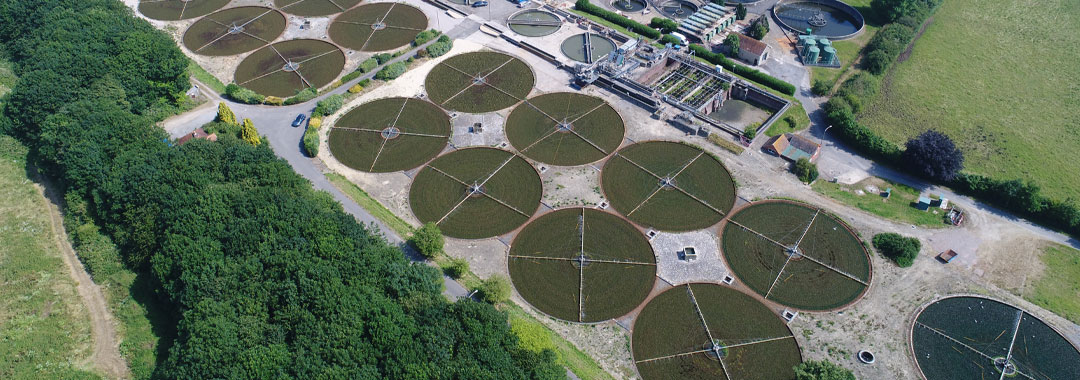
[{"x": 266, "y": 277}]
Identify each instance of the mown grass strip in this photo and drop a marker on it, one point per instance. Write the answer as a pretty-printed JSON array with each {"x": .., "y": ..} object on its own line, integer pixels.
[{"x": 361, "y": 197}]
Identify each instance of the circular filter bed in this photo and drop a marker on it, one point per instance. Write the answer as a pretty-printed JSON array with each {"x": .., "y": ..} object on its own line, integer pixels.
[
  {"x": 476, "y": 193},
  {"x": 629, "y": 5},
  {"x": 378, "y": 26},
  {"x": 534, "y": 23},
  {"x": 968, "y": 337},
  {"x": 479, "y": 82},
  {"x": 284, "y": 68},
  {"x": 312, "y": 8},
  {"x": 173, "y": 10},
  {"x": 565, "y": 129},
  {"x": 678, "y": 9},
  {"x": 389, "y": 135},
  {"x": 587, "y": 47},
  {"x": 668, "y": 186},
  {"x": 582, "y": 265},
  {"x": 708, "y": 331},
  {"x": 797, "y": 255},
  {"x": 234, "y": 31},
  {"x": 823, "y": 18}
]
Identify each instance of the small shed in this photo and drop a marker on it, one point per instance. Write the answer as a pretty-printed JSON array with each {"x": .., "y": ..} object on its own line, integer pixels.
[
  {"x": 924, "y": 203},
  {"x": 947, "y": 256},
  {"x": 689, "y": 254},
  {"x": 793, "y": 147}
]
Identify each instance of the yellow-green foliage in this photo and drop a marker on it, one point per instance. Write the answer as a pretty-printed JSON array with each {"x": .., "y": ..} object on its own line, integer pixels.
[
  {"x": 225, "y": 114},
  {"x": 356, "y": 89},
  {"x": 274, "y": 101},
  {"x": 532, "y": 335},
  {"x": 249, "y": 133},
  {"x": 315, "y": 122}
]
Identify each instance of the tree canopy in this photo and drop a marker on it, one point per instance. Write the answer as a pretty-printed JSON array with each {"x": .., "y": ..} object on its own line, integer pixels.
[
  {"x": 933, "y": 155},
  {"x": 822, "y": 370},
  {"x": 266, "y": 277}
]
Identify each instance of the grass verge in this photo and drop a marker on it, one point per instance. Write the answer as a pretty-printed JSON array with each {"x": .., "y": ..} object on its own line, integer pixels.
[
  {"x": 728, "y": 145},
  {"x": 1057, "y": 288},
  {"x": 361, "y": 197},
  {"x": 898, "y": 207},
  {"x": 569, "y": 356},
  {"x": 200, "y": 74}
]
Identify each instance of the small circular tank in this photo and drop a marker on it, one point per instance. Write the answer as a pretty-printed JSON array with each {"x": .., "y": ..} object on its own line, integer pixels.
[
  {"x": 809, "y": 42},
  {"x": 824, "y": 42},
  {"x": 812, "y": 54}
]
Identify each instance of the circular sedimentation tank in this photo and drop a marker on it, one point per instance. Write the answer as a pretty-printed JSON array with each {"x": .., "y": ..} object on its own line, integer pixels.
[
  {"x": 479, "y": 82},
  {"x": 972, "y": 337},
  {"x": 678, "y": 9},
  {"x": 390, "y": 134},
  {"x": 285, "y": 68},
  {"x": 175, "y": 10},
  {"x": 476, "y": 193},
  {"x": 574, "y": 47},
  {"x": 828, "y": 18},
  {"x": 534, "y": 23},
  {"x": 314, "y": 8},
  {"x": 668, "y": 186},
  {"x": 234, "y": 31},
  {"x": 378, "y": 26},
  {"x": 565, "y": 128},
  {"x": 709, "y": 331},
  {"x": 582, "y": 265},
  {"x": 796, "y": 255},
  {"x": 629, "y": 5}
]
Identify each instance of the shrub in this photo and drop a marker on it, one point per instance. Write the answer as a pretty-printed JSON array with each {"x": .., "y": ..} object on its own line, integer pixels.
[
  {"x": 732, "y": 44},
  {"x": 933, "y": 155},
  {"x": 439, "y": 48},
  {"x": 496, "y": 289},
  {"x": 805, "y": 170},
  {"x": 273, "y": 101},
  {"x": 457, "y": 268},
  {"x": 821, "y": 87},
  {"x": 792, "y": 124},
  {"x": 759, "y": 28},
  {"x": 249, "y": 134},
  {"x": 670, "y": 39},
  {"x": 749, "y": 73},
  {"x": 383, "y": 57},
  {"x": 391, "y": 71},
  {"x": 665, "y": 25},
  {"x": 751, "y": 131},
  {"x": 329, "y": 105},
  {"x": 356, "y": 89},
  {"x": 364, "y": 82},
  {"x": 898, "y": 248},
  {"x": 885, "y": 46},
  {"x": 368, "y": 64},
  {"x": 311, "y": 141},
  {"x": 225, "y": 114},
  {"x": 822, "y": 370},
  {"x": 303, "y": 96},
  {"x": 428, "y": 240},
  {"x": 617, "y": 19},
  {"x": 235, "y": 92},
  {"x": 314, "y": 122},
  {"x": 532, "y": 335},
  {"x": 424, "y": 37},
  {"x": 740, "y": 11},
  {"x": 353, "y": 75}
]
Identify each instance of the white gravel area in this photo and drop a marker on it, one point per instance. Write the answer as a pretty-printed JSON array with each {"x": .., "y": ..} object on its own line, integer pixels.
[{"x": 708, "y": 267}]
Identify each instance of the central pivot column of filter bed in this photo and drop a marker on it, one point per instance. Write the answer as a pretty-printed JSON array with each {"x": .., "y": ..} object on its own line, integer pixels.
[
  {"x": 709, "y": 331},
  {"x": 796, "y": 255},
  {"x": 476, "y": 193},
  {"x": 668, "y": 186},
  {"x": 565, "y": 129},
  {"x": 582, "y": 265},
  {"x": 479, "y": 82}
]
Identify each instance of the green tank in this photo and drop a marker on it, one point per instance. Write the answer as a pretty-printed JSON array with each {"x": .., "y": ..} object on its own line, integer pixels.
[
  {"x": 828, "y": 55},
  {"x": 812, "y": 55}
]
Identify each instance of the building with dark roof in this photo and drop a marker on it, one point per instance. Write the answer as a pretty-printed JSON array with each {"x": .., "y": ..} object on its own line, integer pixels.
[{"x": 793, "y": 147}]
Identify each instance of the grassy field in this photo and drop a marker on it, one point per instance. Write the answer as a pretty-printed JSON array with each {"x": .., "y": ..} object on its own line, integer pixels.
[
  {"x": 898, "y": 207},
  {"x": 1057, "y": 289},
  {"x": 802, "y": 283},
  {"x": 200, "y": 74},
  {"x": 569, "y": 356},
  {"x": 594, "y": 121},
  {"x": 44, "y": 326},
  {"x": 511, "y": 193},
  {"x": 990, "y": 76},
  {"x": 450, "y": 84},
  {"x": 368, "y": 151},
  {"x": 632, "y": 190}
]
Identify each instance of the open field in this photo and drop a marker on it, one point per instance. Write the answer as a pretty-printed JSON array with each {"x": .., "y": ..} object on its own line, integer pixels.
[
  {"x": 1000, "y": 84},
  {"x": 1058, "y": 288},
  {"x": 898, "y": 207},
  {"x": 44, "y": 326}
]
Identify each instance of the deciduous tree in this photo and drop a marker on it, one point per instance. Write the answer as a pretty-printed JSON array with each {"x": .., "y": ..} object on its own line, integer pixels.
[{"x": 933, "y": 155}]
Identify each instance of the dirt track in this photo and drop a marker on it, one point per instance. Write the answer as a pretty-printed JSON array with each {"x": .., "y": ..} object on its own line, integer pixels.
[{"x": 106, "y": 354}]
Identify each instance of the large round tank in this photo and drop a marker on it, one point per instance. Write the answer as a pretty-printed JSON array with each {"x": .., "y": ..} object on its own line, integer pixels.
[
  {"x": 812, "y": 54},
  {"x": 828, "y": 54}
]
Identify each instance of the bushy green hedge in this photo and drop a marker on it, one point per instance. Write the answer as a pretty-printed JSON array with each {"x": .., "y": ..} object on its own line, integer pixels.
[
  {"x": 424, "y": 37},
  {"x": 303, "y": 96},
  {"x": 617, "y": 19},
  {"x": 665, "y": 25},
  {"x": 382, "y": 58},
  {"x": 235, "y": 92},
  {"x": 311, "y": 142},
  {"x": 903, "y": 250},
  {"x": 886, "y": 46},
  {"x": 441, "y": 47},
  {"x": 391, "y": 71},
  {"x": 744, "y": 71},
  {"x": 1023, "y": 198},
  {"x": 329, "y": 105},
  {"x": 367, "y": 65},
  {"x": 350, "y": 76}
]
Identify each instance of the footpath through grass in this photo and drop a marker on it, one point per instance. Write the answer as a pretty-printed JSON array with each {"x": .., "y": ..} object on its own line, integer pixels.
[
  {"x": 1058, "y": 288},
  {"x": 569, "y": 355},
  {"x": 999, "y": 77},
  {"x": 44, "y": 326},
  {"x": 898, "y": 207}
]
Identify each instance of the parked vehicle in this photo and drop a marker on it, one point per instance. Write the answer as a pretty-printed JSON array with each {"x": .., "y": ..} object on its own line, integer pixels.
[
  {"x": 299, "y": 120},
  {"x": 481, "y": 3}
]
